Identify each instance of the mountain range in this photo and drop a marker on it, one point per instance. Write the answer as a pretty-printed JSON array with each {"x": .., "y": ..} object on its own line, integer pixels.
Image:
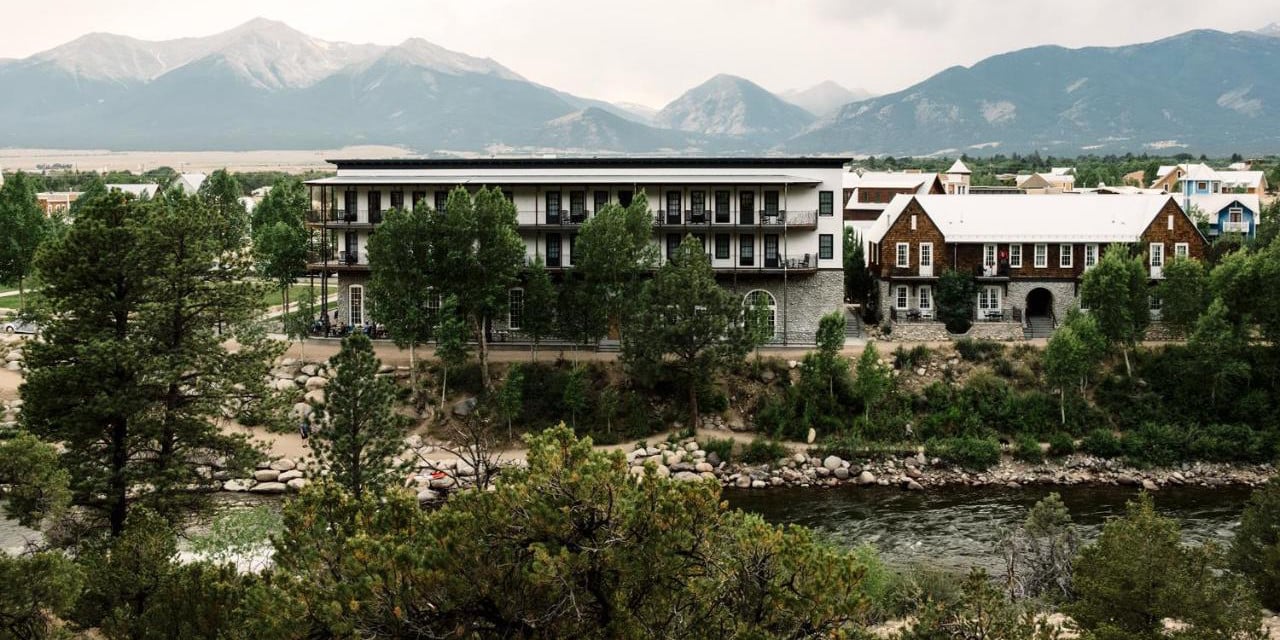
[{"x": 264, "y": 85}]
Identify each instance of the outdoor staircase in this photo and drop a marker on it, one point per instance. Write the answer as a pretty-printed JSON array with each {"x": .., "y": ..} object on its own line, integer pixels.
[
  {"x": 852, "y": 325},
  {"x": 1038, "y": 327}
]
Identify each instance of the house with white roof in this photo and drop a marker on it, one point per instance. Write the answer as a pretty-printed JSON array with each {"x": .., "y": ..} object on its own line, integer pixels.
[
  {"x": 144, "y": 190},
  {"x": 190, "y": 182},
  {"x": 1026, "y": 253},
  {"x": 867, "y": 193},
  {"x": 1042, "y": 183}
]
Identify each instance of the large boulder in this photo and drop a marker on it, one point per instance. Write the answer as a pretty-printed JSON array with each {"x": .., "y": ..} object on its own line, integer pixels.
[
  {"x": 284, "y": 384},
  {"x": 283, "y": 464},
  {"x": 266, "y": 475},
  {"x": 314, "y": 396},
  {"x": 237, "y": 484},
  {"x": 297, "y": 484},
  {"x": 686, "y": 476},
  {"x": 465, "y": 406},
  {"x": 428, "y": 495},
  {"x": 309, "y": 370},
  {"x": 291, "y": 474},
  {"x": 271, "y": 487},
  {"x": 301, "y": 409},
  {"x": 316, "y": 382},
  {"x": 831, "y": 463},
  {"x": 866, "y": 477}
]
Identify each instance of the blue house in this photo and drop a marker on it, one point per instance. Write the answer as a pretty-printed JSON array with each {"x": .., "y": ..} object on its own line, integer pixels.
[{"x": 1226, "y": 213}]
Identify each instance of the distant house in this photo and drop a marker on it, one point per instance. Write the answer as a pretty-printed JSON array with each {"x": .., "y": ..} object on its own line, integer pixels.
[
  {"x": 1201, "y": 179},
  {"x": 147, "y": 190},
  {"x": 190, "y": 182},
  {"x": 1042, "y": 183},
  {"x": 866, "y": 194},
  {"x": 956, "y": 180},
  {"x": 52, "y": 202},
  {"x": 1226, "y": 212}
]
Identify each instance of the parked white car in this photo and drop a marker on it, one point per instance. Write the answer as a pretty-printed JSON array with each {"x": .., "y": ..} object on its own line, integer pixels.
[{"x": 21, "y": 326}]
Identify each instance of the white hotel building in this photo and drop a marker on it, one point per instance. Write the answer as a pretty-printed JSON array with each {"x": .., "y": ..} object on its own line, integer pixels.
[{"x": 771, "y": 226}]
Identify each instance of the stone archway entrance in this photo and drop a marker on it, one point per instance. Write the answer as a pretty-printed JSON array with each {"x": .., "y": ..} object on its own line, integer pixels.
[
  {"x": 1039, "y": 315},
  {"x": 1040, "y": 302}
]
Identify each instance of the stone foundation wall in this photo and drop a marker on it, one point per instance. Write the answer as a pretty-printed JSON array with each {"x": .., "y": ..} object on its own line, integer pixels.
[
  {"x": 345, "y": 280},
  {"x": 937, "y": 332},
  {"x": 1161, "y": 332},
  {"x": 802, "y": 301}
]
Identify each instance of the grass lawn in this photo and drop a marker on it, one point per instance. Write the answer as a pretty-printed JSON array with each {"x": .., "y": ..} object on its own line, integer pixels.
[
  {"x": 11, "y": 302},
  {"x": 296, "y": 293}
]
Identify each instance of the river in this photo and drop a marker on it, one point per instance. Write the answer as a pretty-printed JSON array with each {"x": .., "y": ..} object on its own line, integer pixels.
[
  {"x": 960, "y": 527},
  {"x": 953, "y": 527}
]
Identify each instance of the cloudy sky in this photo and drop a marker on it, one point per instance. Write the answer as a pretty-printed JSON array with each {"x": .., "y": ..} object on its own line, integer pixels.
[{"x": 650, "y": 51}]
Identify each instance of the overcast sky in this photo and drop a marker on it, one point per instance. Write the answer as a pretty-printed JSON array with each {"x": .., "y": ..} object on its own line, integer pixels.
[{"x": 650, "y": 51}]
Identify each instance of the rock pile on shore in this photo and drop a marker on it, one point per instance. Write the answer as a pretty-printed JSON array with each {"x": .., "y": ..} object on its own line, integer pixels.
[{"x": 686, "y": 460}]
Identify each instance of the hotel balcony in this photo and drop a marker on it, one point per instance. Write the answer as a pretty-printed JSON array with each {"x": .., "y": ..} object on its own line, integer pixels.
[
  {"x": 343, "y": 219},
  {"x": 778, "y": 219},
  {"x": 337, "y": 261}
]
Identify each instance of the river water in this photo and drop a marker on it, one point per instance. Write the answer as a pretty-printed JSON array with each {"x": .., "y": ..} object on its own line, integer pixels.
[
  {"x": 952, "y": 527},
  {"x": 961, "y": 527}
]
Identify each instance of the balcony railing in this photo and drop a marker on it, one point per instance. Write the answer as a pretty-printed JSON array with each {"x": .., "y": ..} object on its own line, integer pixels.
[
  {"x": 992, "y": 271},
  {"x": 1235, "y": 227},
  {"x": 761, "y": 218},
  {"x": 335, "y": 216}
]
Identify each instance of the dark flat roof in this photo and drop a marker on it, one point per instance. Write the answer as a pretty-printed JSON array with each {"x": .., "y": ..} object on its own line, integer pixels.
[{"x": 815, "y": 162}]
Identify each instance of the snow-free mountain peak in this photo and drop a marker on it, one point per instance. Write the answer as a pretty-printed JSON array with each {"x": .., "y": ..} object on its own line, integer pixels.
[
  {"x": 824, "y": 98},
  {"x": 731, "y": 105},
  {"x": 1272, "y": 30},
  {"x": 421, "y": 53}
]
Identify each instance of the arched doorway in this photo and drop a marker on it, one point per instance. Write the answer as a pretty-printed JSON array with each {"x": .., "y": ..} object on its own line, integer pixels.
[
  {"x": 1040, "y": 303},
  {"x": 1040, "y": 320},
  {"x": 770, "y": 304}
]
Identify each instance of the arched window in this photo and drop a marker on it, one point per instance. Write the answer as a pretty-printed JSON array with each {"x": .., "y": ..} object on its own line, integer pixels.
[
  {"x": 759, "y": 296},
  {"x": 355, "y": 304}
]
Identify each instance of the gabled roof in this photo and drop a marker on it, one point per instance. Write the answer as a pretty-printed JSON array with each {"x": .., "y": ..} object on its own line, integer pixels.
[
  {"x": 958, "y": 167},
  {"x": 1199, "y": 171},
  {"x": 139, "y": 190},
  {"x": 1246, "y": 179},
  {"x": 1030, "y": 218},
  {"x": 191, "y": 182},
  {"x": 1215, "y": 202},
  {"x": 920, "y": 183}
]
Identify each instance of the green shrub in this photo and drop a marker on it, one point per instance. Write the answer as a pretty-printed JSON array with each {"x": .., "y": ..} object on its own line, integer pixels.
[
  {"x": 978, "y": 350},
  {"x": 904, "y": 358},
  {"x": 761, "y": 450},
  {"x": 911, "y": 589},
  {"x": 722, "y": 447},
  {"x": 1231, "y": 443},
  {"x": 1029, "y": 449},
  {"x": 1158, "y": 445},
  {"x": 1102, "y": 443},
  {"x": 1061, "y": 444},
  {"x": 967, "y": 451},
  {"x": 1255, "y": 549}
]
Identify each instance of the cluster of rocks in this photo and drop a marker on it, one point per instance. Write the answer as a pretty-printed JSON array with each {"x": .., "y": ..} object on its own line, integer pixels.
[
  {"x": 12, "y": 410},
  {"x": 434, "y": 475},
  {"x": 687, "y": 461},
  {"x": 276, "y": 476},
  {"x": 304, "y": 381},
  {"x": 12, "y": 356}
]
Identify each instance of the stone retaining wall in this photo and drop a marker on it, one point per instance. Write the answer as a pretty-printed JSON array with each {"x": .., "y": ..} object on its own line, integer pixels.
[{"x": 937, "y": 332}]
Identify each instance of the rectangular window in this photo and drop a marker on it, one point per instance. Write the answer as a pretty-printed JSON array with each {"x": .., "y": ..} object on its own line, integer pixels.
[
  {"x": 553, "y": 249},
  {"x": 904, "y": 255},
  {"x": 1015, "y": 256},
  {"x": 746, "y": 250},
  {"x": 722, "y": 246},
  {"x": 577, "y": 205},
  {"x": 989, "y": 299},
  {"x": 771, "y": 203},
  {"x": 1090, "y": 255},
  {"x": 926, "y": 254},
  {"x": 349, "y": 204},
  {"x": 1064, "y": 256},
  {"x": 418, "y": 197},
  {"x": 702, "y": 241},
  {"x": 1157, "y": 254},
  {"x": 1235, "y": 214},
  {"x": 673, "y": 243},
  {"x": 397, "y": 200},
  {"x": 826, "y": 203},
  {"x": 515, "y": 308},
  {"x": 902, "y": 299},
  {"x": 747, "y": 207},
  {"x": 826, "y": 246},
  {"x": 925, "y": 296},
  {"x": 1181, "y": 250},
  {"x": 771, "y": 260},
  {"x": 698, "y": 202},
  {"x": 573, "y": 240},
  {"x": 673, "y": 207},
  {"x": 375, "y": 206},
  {"x": 553, "y": 207},
  {"x": 441, "y": 198},
  {"x": 1155, "y": 302},
  {"x": 722, "y": 207},
  {"x": 989, "y": 256},
  {"x": 1042, "y": 256},
  {"x": 601, "y": 200},
  {"x": 355, "y": 304}
]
